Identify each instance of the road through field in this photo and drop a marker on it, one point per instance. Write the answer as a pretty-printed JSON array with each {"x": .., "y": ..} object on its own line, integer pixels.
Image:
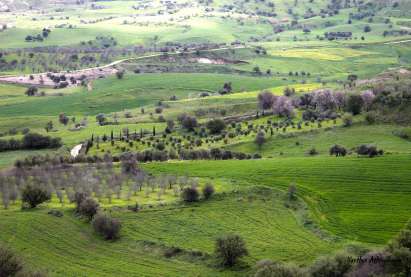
[{"x": 90, "y": 72}]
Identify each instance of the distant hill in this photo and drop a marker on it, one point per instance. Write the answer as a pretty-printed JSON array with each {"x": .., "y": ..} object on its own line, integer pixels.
[{"x": 12, "y": 5}]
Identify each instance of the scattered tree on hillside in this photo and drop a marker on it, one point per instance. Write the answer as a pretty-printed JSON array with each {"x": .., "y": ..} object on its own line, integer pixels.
[
  {"x": 283, "y": 107},
  {"x": 106, "y": 226},
  {"x": 265, "y": 100},
  {"x": 354, "y": 104},
  {"x": 260, "y": 139},
  {"x": 208, "y": 191},
  {"x": 190, "y": 194},
  {"x": 101, "y": 118},
  {"x": 88, "y": 208},
  {"x": 31, "y": 91},
  {"x": 63, "y": 119},
  {"x": 49, "y": 126},
  {"x": 10, "y": 264},
  {"x": 35, "y": 195},
  {"x": 338, "y": 151},
  {"x": 229, "y": 249},
  {"x": 120, "y": 74},
  {"x": 215, "y": 126},
  {"x": 188, "y": 122}
]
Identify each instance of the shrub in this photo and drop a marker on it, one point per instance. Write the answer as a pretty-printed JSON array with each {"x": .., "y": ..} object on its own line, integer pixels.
[
  {"x": 368, "y": 150},
  {"x": 34, "y": 195},
  {"x": 55, "y": 213},
  {"x": 338, "y": 150},
  {"x": 31, "y": 91},
  {"x": 158, "y": 110},
  {"x": 312, "y": 152},
  {"x": 260, "y": 139},
  {"x": 10, "y": 264},
  {"x": 267, "y": 268},
  {"x": 120, "y": 74},
  {"x": 229, "y": 249},
  {"x": 292, "y": 192},
  {"x": 355, "y": 104},
  {"x": 208, "y": 191},
  {"x": 370, "y": 117},
  {"x": 190, "y": 195},
  {"x": 335, "y": 266},
  {"x": 347, "y": 120},
  {"x": 88, "y": 208},
  {"x": 101, "y": 118},
  {"x": 404, "y": 133},
  {"x": 79, "y": 197},
  {"x": 188, "y": 122},
  {"x": 215, "y": 126},
  {"x": 106, "y": 226},
  {"x": 37, "y": 141}
]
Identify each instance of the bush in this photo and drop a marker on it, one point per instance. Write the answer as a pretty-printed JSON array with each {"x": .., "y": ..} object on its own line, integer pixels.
[
  {"x": 267, "y": 268},
  {"x": 208, "y": 191},
  {"x": 158, "y": 110},
  {"x": 88, "y": 208},
  {"x": 229, "y": 249},
  {"x": 370, "y": 118},
  {"x": 338, "y": 150},
  {"x": 312, "y": 152},
  {"x": 355, "y": 104},
  {"x": 56, "y": 213},
  {"x": 106, "y": 226},
  {"x": 368, "y": 150},
  {"x": 79, "y": 197},
  {"x": 188, "y": 122},
  {"x": 347, "y": 120},
  {"x": 403, "y": 133},
  {"x": 190, "y": 195},
  {"x": 37, "y": 141},
  {"x": 120, "y": 74},
  {"x": 10, "y": 264},
  {"x": 215, "y": 126},
  {"x": 292, "y": 192},
  {"x": 260, "y": 139},
  {"x": 31, "y": 91},
  {"x": 336, "y": 266},
  {"x": 35, "y": 195}
]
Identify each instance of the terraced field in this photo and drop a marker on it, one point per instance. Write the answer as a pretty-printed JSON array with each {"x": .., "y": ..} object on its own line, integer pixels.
[
  {"x": 298, "y": 144},
  {"x": 348, "y": 209},
  {"x": 243, "y": 98},
  {"x": 258, "y": 214}
]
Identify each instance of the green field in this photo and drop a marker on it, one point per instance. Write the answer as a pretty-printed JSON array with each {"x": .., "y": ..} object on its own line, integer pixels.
[{"x": 157, "y": 76}]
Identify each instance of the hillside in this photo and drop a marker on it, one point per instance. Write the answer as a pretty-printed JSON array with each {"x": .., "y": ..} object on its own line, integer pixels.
[{"x": 205, "y": 138}]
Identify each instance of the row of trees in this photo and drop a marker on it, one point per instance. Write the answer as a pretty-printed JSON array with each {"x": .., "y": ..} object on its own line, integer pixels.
[
  {"x": 319, "y": 104},
  {"x": 30, "y": 141},
  {"x": 362, "y": 150},
  {"x": 100, "y": 181}
]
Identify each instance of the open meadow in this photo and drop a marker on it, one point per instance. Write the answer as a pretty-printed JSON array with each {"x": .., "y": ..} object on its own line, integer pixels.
[{"x": 205, "y": 138}]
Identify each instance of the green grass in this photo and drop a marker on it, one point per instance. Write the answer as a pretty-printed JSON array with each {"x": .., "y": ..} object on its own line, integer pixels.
[
  {"x": 7, "y": 158},
  {"x": 298, "y": 144},
  {"x": 133, "y": 91},
  {"x": 355, "y": 198},
  {"x": 269, "y": 228}
]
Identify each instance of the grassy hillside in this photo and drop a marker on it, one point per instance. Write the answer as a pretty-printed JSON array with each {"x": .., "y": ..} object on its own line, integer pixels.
[
  {"x": 270, "y": 229},
  {"x": 187, "y": 82},
  {"x": 346, "y": 208},
  {"x": 298, "y": 144},
  {"x": 369, "y": 211}
]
